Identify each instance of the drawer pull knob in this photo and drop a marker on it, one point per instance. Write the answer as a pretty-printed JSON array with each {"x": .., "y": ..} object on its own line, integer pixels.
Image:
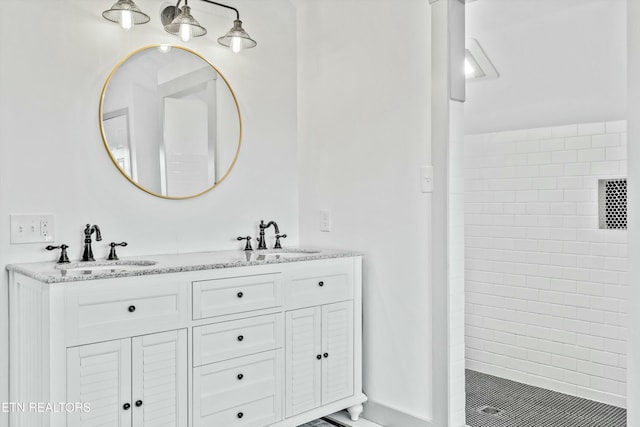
[
  {"x": 240, "y": 415},
  {"x": 126, "y": 406},
  {"x": 321, "y": 284},
  {"x": 240, "y": 376},
  {"x": 132, "y": 308},
  {"x": 240, "y": 337},
  {"x": 319, "y": 357},
  {"x": 138, "y": 403},
  {"x": 326, "y": 355},
  {"x": 240, "y": 294}
]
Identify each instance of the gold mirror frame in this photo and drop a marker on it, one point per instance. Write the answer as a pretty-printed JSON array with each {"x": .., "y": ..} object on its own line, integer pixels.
[{"x": 108, "y": 148}]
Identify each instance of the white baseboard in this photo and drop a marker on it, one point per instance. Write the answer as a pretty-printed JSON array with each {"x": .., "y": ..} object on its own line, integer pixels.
[{"x": 391, "y": 417}]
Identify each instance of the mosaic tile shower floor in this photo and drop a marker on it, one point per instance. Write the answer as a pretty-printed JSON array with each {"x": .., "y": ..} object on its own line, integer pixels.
[
  {"x": 322, "y": 423},
  {"x": 522, "y": 405}
]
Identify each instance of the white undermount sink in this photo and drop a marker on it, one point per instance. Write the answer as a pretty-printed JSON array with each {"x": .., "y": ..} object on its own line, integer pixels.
[
  {"x": 105, "y": 266},
  {"x": 291, "y": 252}
]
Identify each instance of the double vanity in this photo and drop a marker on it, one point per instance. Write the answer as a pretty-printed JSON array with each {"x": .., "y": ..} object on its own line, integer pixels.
[{"x": 215, "y": 339}]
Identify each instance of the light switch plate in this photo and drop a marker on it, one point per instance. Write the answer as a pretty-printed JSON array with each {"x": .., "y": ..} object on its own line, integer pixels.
[
  {"x": 426, "y": 179},
  {"x": 32, "y": 228},
  {"x": 325, "y": 220}
]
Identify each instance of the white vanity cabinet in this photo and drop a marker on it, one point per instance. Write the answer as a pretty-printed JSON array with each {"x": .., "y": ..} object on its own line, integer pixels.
[
  {"x": 244, "y": 391},
  {"x": 319, "y": 356},
  {"x": 237, "y": 372},
  {"x": 140, "y": 381},
  {"x": 266, "y": 344}
]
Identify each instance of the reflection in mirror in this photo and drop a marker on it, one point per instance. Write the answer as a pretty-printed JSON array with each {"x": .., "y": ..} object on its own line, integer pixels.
[{"x": 170, "y": 122}]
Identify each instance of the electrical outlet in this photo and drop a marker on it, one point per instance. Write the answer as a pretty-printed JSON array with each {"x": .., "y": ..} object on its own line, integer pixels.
[
  {"x": 32, "y": 228},
  {"x": 44, "y": 228},
  {"x": 325, "y": 220}
]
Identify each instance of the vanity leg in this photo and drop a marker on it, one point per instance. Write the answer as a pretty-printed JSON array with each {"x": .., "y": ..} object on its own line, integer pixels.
[{"x": 355, "y": 411}]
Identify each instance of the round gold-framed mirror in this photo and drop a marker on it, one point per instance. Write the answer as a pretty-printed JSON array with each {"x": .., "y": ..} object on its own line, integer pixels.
[{"x": 170, "y": 122}]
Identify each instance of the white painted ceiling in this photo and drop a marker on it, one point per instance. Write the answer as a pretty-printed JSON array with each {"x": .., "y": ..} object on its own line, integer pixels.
[{"x": 560, "y": 62}]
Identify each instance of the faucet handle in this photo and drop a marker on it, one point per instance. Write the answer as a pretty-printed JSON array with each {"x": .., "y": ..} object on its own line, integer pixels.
[
  {"x": 247, "y": 247},
  {"x": 112, "y": 253},
  {"x": 278, "y": 236},
  {"x": 64, "y": 258}
]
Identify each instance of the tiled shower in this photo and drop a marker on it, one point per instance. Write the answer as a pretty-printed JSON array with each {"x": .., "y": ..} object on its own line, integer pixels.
[{"x": 545, "y": 286}]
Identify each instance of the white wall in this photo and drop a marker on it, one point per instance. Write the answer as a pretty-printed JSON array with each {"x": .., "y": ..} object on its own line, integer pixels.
[
  {"x": 546, "y": 289},
  {"x": 633, "y": 154},
  {"x": 364, "y": 132},
  {"x": 52, "y": 158},
  {"x": 447, "y": 214},
  {"x": 560, "y": 61}
]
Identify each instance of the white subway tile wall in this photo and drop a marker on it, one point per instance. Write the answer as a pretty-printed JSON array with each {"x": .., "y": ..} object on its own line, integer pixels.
[{"x": 545, "y": 288}]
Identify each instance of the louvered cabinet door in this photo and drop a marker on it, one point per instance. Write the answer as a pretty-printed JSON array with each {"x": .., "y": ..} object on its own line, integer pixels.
[
  {"x": 159, "y": 373},
  {"x": 100, "y": 376},
  {"x": 302, "y": 366},
  {"x": 337, "y": 351}
]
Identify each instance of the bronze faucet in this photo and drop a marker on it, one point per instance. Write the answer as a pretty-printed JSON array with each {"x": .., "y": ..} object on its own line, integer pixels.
[
  {"x": 262, "y": 244},
  {"x": 87, "y": 255}
]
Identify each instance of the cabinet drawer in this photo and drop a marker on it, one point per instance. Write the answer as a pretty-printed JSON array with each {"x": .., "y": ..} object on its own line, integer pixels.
[
  {"x": 221, "y": 341},
  {"x": 248, "y": 385},
  {"x": 235, "y": 295},
  {"x": 253, "y": 414},
  {"x": 319, "y": 283},
  {"x": 116, "y": 308}
]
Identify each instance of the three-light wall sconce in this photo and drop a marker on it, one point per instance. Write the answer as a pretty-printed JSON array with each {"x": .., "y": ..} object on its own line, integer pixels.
[{"x": 179, "y": 22}]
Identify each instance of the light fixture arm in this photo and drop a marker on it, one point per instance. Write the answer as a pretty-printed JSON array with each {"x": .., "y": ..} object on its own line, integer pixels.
[{"x": 223, "y": 5}]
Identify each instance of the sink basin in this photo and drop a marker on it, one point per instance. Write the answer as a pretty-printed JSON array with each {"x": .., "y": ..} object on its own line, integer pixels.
[
  {"x": 275, "y": 254},
  {"x": 104, "y": 267},
  {"x": 292, "y": 252}
]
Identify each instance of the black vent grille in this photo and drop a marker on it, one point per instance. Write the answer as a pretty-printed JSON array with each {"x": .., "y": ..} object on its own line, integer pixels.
[{"x": 612, "y": 196}]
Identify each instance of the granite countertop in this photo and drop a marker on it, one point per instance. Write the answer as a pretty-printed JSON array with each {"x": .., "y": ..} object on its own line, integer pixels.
[{"x": 51, "y": 272}]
